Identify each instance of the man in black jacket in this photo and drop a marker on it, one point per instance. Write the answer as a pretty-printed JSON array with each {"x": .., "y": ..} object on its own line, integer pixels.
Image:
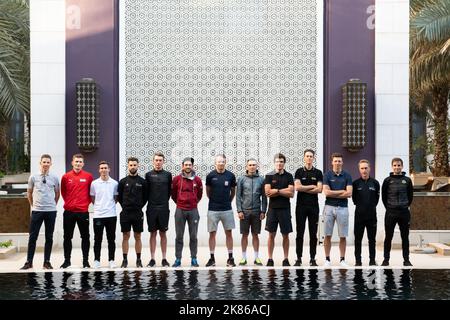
[
  {"x": 366, "y": 193},
  {"x": 397, "y": 196},
  {"x": 132, "y": 197}
]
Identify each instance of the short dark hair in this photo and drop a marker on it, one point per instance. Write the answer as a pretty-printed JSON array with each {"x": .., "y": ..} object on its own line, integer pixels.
[
  {"x": 131, "y": 159},
  {"x": 309, "y": 150},
  {"x": 336, "y": 155},
  {"x": 46, "y": 156},
  {"x": 159, "y": 154},
  {"x": 396, "y": 160},
  {"x": 77, "y": 155},
  {"x": 279, "y": 156},
  {"x": 220, "y": 155},
  {"x": 191, "y": 160},
  {"x": 103, "y": 162}
]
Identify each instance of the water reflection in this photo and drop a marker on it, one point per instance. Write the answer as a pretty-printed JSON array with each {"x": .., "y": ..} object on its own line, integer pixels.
[{"x": 248, "y": 284}]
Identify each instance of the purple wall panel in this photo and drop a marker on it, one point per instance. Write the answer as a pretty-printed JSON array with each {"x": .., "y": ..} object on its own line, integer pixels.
[
  {"x": 349, "y": 53},
  {"x": 92, "y": 52}
]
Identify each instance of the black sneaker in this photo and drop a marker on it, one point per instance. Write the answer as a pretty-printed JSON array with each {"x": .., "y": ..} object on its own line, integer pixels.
[
  {"x": 65, "y": 265},
  {"x": 385, "y": 263},
  {"x": 138, "y": 263},
  {"x": 286, "y": 263},
  {"x": 269, "y": 263},
  {"x": 407, "y": 263},
  {"x": 86, "y": 264},
  {"x": 372, "y": 263},
  {"x": 124, "y": 264},
  {"x": 47, "y": 265},
  {"x": 230, "y": 263},
  {"x": 211, "y": 263},
  {"x": 152, "y": 263},
  {"x": 298, "y": 263},
  {"x": 165, "y": 263},
  {"x": 358, "y": 263},
  {"x": 313, "y": 263},
  {"x": 27, "y": 265}
]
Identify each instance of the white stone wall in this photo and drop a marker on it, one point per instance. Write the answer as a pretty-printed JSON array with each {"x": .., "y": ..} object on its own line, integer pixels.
[
  {"x": 47, "y": 58},
  {"x": 391, "y": 89}
]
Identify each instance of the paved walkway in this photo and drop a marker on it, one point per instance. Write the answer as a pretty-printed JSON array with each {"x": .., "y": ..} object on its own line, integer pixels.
[{"x": 420, "y": 261}]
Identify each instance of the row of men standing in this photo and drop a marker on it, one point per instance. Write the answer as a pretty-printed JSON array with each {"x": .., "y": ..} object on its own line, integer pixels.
[{"x": 78, "y": 190}]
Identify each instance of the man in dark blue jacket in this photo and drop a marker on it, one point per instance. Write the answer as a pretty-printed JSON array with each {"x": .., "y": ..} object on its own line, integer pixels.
[{"x": 397, "y": 196}]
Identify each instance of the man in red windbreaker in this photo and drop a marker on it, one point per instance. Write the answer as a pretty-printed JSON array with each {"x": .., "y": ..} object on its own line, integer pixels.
[
  {"x": 187, "y": 191},
  {"x": 75, "y": 186}
]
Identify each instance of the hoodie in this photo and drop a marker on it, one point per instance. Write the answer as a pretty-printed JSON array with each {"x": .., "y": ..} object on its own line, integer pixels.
[
  {"x": 250, "y": 193},
  {"x": 397, "y": 192},
  {"x": 187, "y": 191}
]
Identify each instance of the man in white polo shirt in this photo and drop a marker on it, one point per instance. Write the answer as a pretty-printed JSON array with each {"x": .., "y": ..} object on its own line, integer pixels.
[{"x": 104, "y": 197}]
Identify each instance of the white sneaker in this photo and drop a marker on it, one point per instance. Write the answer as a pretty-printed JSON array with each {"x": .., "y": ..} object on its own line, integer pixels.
[
  {"x": 327, "y": 264},
  {"x": 112, "y": 264},
  {"x": 343, "y": 264},
  {"x": 96, "y": 264}
]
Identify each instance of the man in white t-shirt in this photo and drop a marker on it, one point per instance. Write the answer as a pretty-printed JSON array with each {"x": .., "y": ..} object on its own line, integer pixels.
[{"x": 104, "y": 197}]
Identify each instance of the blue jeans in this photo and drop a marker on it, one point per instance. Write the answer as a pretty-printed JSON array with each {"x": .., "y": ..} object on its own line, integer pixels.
[{"x": 37, "y": 217}]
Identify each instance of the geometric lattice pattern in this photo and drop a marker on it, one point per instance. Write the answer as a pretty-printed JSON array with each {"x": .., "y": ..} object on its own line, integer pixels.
[
  {"x": 207, "y": 77},
  {"x": 87, "y": 115},
  {"x": 354, "y": 135}
]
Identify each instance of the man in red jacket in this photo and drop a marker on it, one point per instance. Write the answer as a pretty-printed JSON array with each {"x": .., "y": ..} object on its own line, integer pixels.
[
  {"x": 75, "y": 186},
  {"x": 187, "y": 191}
]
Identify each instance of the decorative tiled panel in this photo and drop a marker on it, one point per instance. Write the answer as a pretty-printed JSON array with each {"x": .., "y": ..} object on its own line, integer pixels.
[{"x": 225, "y": 76}]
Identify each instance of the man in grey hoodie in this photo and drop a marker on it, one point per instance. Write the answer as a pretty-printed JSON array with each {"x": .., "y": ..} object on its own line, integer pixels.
[{"x": 251, "y": 203}]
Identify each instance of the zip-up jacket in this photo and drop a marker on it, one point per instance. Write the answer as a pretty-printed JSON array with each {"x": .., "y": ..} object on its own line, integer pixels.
[
  {"x": 187, "y": 191},
  {"x": 397, "y": 192},
  {"x": 365, "y": 195},
  {"x": 75, "y": 188},
  {"x": 250, "y": 194},
  {"x": 158, "y": 184},
  {"x": 132, "y": 193}
]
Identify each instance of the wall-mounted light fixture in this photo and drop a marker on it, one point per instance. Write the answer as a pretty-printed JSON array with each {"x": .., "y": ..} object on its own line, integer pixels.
[
  {"x": 87, "y": 94},
  {"x": 354, "y": 115}
]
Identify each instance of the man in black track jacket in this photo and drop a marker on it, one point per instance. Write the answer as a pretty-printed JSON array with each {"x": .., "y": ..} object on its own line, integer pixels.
[{"x": 397, "y": 196}]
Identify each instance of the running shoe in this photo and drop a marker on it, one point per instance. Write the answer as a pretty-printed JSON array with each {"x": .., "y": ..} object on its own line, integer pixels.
[
  {"x": 258, "y": 262},
  {"x": 47, "y": 265},
  {"x": 286, "y": 263},
  {"x": 138, "y": 263},
  {"x": 407, "y": 263},
  {"x": 177, "y": 263},
  {"x": 124, "y": 264},
  {"x": 313, "y": 263},
  {"x": 385, "y": 263},
  {"x": 343, "y": 264},
  {"x": 165, "y": 263},
  {"x": 298, "y": 263},
  {"x": 327, "y": 263},
  {"x": 211, "y": 263},
  {"x": 194, "y": 262},
  {"x": 27, "y": 265},
  {"x": 65, "y": 265},
  {"x": 270, "y": 263},
  {"x": 230, "y": 263},
  {"x": 152, "y": 263},
  {"x": 112, "y": 264},
  {"x": 86, "y": 264},
  {"x": 96, "y": 264},
  {"x": 243, "y": 262}
]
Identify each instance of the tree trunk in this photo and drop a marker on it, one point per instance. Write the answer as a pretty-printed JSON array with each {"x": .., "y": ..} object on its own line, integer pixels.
[
  {"x": 3, "y": 145},
  {"x": 440, "y": 115}
]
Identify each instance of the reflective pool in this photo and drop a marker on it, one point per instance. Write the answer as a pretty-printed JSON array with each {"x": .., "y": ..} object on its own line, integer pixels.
[{"x": 233, "y": 284}]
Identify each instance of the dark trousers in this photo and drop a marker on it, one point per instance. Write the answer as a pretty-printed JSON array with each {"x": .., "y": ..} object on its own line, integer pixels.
[
  {"x": 368, "y": 222},
  {"x": 70, "y": 219},
  {"x": 181, "y": 217},
  {"x": 403, "y": 219},
  {"x": 37, "y": 217},
  {"x": 301, "y": 214},
  {"x": 109, "y": 224}
]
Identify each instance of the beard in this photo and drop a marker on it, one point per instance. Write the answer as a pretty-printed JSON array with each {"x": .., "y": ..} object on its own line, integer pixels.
[{"x": 133, "y": 171}]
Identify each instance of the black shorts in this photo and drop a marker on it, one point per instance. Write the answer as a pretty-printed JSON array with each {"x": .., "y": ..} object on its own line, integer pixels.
[
  {"x": 280, "y": 216},
  {"x": 251, "y": 219},
  {"x": 158, "y": 219},
  {"x": 132, "y": 219}
]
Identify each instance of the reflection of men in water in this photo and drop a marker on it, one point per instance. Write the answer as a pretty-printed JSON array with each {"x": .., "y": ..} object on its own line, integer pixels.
[
  {"x": 220, "y": 189},
  {"x": 43, "y": 195},
  {"x": 132, "y": 197},
  {"x": 366, "y": 193},
  {"x": 187, "y": 191},
  {"x": 308, "y": 183},
  {"x": 397, "y": 195},
  {"x": 251, "y": 203},
  {"x": 279, "y": 187}
]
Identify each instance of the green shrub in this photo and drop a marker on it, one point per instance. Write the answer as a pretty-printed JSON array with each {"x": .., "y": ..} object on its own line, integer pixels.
[{"x": 6, "y": 244}]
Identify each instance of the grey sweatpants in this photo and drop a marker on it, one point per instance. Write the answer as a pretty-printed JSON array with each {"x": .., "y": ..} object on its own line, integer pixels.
[{"x": 192, "y": 217}]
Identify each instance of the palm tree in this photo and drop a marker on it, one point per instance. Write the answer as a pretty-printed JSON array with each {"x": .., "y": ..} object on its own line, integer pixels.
[
  {"x": 14, "y": 67},
  {"x": 430, "y": 70}
]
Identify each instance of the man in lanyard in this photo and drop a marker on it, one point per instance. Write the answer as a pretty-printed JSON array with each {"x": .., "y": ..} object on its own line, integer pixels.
[{"x": 43, "y": 195}]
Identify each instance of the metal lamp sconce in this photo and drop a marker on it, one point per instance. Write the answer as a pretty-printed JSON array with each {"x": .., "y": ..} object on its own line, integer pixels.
[
  {"x": 87, "y": 94},
  {"x": 354, "y": 115}
]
